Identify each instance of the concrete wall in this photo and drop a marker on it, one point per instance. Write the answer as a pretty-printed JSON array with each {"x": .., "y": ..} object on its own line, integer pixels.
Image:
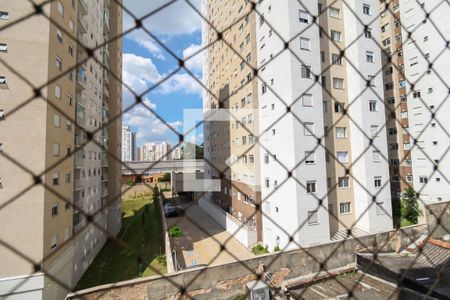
[
  {"x": 228, "y": 281},
  {"x": 441, "y": 212},
  {"x": 244, "y": 234}
]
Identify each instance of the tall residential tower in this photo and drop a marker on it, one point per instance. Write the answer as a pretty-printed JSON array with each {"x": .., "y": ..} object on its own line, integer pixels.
[{"x": 56, "y": 161}]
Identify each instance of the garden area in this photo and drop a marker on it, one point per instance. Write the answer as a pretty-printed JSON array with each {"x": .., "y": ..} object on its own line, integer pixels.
[{"x": 142, "y": 232}]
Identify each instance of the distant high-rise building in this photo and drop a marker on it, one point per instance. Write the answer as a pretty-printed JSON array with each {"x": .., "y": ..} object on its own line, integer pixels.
[
  {"x": 162, "y": 151},
  {"x": 426, "y": 59},
  {"x": 176, "y": 153},
  {"x": 128, "y": 144},
  {"x": 50, "y": 225},
  {"x": 137, "y": 154}
]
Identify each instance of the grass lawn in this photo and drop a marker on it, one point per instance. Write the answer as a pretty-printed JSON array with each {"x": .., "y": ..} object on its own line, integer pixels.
[
  {"x": 142, "y": 231},
  {"x": 405, "y": 222}
]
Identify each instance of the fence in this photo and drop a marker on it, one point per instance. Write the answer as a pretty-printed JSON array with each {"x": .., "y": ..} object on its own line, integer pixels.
[{"x": 411, "y": 104}]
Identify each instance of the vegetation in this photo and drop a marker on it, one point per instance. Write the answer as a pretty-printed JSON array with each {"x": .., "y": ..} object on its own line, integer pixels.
[
  {"x": 143, "y": 234},
  {"x": 259, "y": 249},
  {"x": 175, "y": 231},
  {"x": 190, "y": 150},
  {"x": 409, "y": 208},
  {"x": 276, "y": 248},
  {"x": 165, "y": 178},
  {"x": 130, "y": 182}
]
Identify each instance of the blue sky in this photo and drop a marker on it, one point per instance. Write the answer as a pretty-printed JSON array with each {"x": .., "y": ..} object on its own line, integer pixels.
[{"x": 145, "y": 63}]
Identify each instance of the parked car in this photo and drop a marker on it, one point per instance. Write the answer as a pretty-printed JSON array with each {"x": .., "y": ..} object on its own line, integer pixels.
[{"x": 172, "y": 210}]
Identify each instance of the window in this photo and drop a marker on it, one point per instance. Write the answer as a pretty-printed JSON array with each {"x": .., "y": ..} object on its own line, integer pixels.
[
  {"x": 60, "y": 8},
  {"x": 311, "y": 187},
  {"x": 338, "y": 107},
  {"x": 385, "y": 27},
  {"x": 373, "y": 105},
  {"x": 336, "y": 59},
  {"x": 310, "y": 157},
  {"x": 308, "y": 128},
  {"x": 338, "y": 83},
  {"x": 341, "y": 132},
  {"x": 55, "y": 210},
  {"x": 374, "y": 130},
  {"x": 303, "y": 16},
  {"x": 336, "y": 35},
  {"x": 57, "y": 120},
  {"x": 423, "y": 179},
  {"x": 263, "y": 88},
  {"x": 416, "y": 94},
  {"x": 342, "y": 156},
  {"x": 370, "y": 57},
  {"x": 58, "y": 63},
  {"x": 389, "y": 86},
  {"x": 377, "y": 181},
  {"x": 371, "y": 80},
  {"x": 306, "y": 71},
  {"x": 404, "y": 114},
  {"x": 334, "y": 12},
  {"x": 56, "y": 149},
  {"x": 58, "y": 91},
  {"x": 366, "y": 9},
  {"x": 4, "y": 15},
  {"x": 345, "y": 207},
  {"x": 368, "y": 33},
  {"x": 3, "y": 47},
  {"x": 380, "y": 208},
  {"x": 266, "y": 158},
  {"x": 344, "y": 182},
  {"x": 376, "y": 156},
  {"x": 55, "y": 179},
  {"x": 313, "y": 217},
  {"x": 59, "y": 36},
  {"x": 71, "y": 25},
  {"x": 267, "y": 182},
  {"x": 2, "y": 114},
  {"x": 70, "y": 50},
  {"x": 386, "y": 42},
  {"x": 307, "y": 100},
  {"x": 305, "y": 43},
  {"x": 54, "y": 242}
]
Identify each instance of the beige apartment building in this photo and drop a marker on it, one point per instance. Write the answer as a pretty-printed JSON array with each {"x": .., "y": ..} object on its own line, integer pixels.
[
  {"x": 231, "y": 146},
  {"x": 49, "y": 108},
  {"x": 399, "y": 141}
]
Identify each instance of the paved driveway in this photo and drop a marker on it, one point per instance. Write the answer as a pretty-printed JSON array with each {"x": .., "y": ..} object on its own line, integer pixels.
[{"x": 202, "y": 238}]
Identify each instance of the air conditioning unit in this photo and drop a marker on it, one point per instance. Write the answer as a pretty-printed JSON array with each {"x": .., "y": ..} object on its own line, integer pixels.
[{"x": 258, "y": 290}]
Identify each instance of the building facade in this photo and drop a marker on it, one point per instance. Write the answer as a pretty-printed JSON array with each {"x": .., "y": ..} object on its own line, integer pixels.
[
  {"x": 426, "y": 57},
  {"x": 231, "y": 151},
  {"x": 64, "y": 127},
  {"x": 308, "y": 192},
  {"x": 128, "y": 144},
  {"x": 394, "y": 85}
]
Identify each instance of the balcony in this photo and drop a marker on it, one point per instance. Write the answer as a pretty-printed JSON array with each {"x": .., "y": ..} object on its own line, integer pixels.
[
  {"x": 82, "y": 25},
  {"x": 104, "y": 160},
  {"x": 79, "y": 159},
  {"x": 83, "y": 8},
  {"x": 78, "y": 184},
  {"x": 105, "y": 178},
  {"x": 81, "y": 78},
  {"x": 104, "y": 192}
]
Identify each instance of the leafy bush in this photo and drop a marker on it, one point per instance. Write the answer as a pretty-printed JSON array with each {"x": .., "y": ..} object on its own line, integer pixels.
[
  {"x": 409, "y": 207},
  {"x": 175, "y": 231},
  {"x": 276, "y": 248},
  {"x": 161, "y": 259},
  {"x": 259, "y": 249},
  {"x": 131, "y": 182}
]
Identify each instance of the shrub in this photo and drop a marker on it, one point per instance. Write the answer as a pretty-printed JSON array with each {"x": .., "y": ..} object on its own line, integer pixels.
[
  {"x": 276, "y": 248},
  {"x": 161, "y": 259},
  {"x": 409, "y": 207},
  {"x": 175, "y": 231},
  {"x": 259, "y": 249}
]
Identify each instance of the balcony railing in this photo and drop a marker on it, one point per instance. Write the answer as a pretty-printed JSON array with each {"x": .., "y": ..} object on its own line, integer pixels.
[
  {"x": 81, "y": 77},
  {"x": 83, "y": 8}
]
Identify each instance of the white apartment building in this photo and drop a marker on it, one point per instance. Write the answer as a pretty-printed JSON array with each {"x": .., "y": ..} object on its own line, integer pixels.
[
  {"x": 426, "y": 62},
  {"x": 309, "y": 195},
  {"x": 128, "y": 143}
]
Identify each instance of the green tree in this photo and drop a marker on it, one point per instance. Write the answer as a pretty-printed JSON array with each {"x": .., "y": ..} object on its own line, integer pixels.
[
  {"x": 190, "y": 150},
  {"x": 409, "y": 206},
  {"x": 165, "y": 178}
]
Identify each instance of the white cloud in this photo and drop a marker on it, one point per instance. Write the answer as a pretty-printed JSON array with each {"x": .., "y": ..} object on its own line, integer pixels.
[
  {"x": 175, "y": 19},
  {"x": 139, "y": 72},
  {"x": 146, "y": 41},
  {"x": 181, "y": 83},
  {"x": 194, "y": 63}
]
